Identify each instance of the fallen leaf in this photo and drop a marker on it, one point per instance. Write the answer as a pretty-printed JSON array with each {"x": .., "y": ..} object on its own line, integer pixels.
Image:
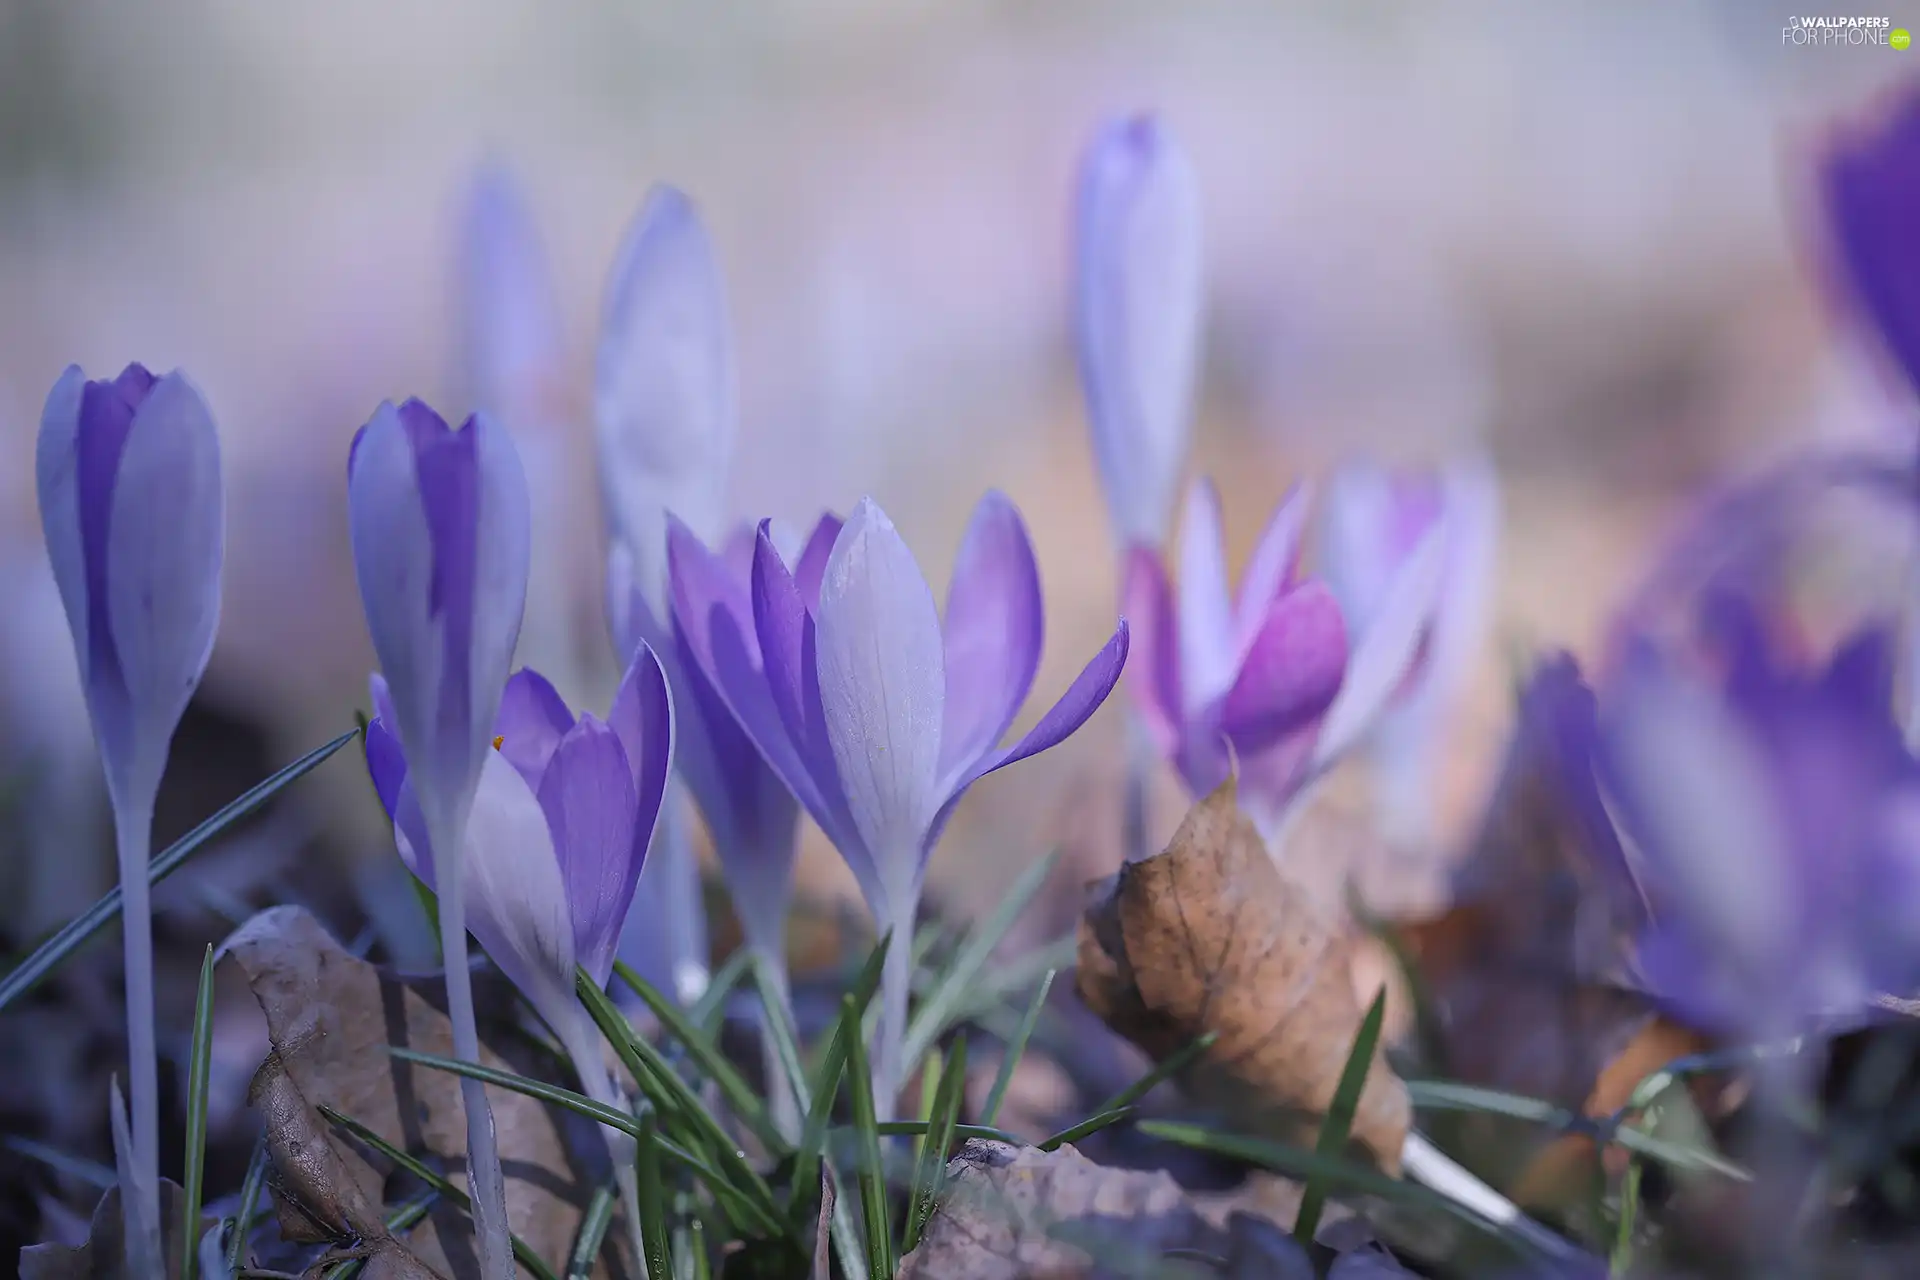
[
  {"x": 1211, "y": 936},
  {"x": 1018, "y": 1213},
  {"x": 102, "y": 1256},
  {"x": 331, "y": 1019},
  {"x": 823, "y": 1228}
]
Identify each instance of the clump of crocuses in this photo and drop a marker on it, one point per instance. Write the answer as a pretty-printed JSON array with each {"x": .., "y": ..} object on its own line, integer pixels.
[
  {"x": 440, "y": 546},
  {"x": 128, "y": 472},
  {"x": 876, "y": 713}
]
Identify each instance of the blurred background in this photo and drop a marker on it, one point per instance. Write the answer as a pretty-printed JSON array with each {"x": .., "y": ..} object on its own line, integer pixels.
[{"x": 1579, "y": 237}]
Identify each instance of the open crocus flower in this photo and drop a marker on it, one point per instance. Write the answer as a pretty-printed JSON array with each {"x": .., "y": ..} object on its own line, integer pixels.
[
  {"x": 1773, "y": 824},
  {"x": 1137, "y": 316},
  {"x": 1375, "y": 522},
  {"x": 875, "y": 714},
  {"x": 1871, "y": 186},
  {"x": 132, "y": 509},
  {"x": 561, "y": 821},
  {"x": 439, "y": 522},
  {"x": 1264, "y": 678}
]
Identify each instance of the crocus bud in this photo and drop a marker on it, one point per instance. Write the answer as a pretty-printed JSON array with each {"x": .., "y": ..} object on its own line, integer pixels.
[
  {"x": 664, "y": 387},
  {"x": 440, "y": 545},
  {"x": 1871, "y": 188},
  {"x": 511, "y": 345},
  {"x": 131, "y": 504},
  {"x": 1137, "y": 299}
]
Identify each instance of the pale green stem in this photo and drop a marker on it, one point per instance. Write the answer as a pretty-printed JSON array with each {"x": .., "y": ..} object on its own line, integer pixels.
[
  {"x": 486, "y": 1184},
  {"x": 140, "y": 1203},
  {"x": 582, "y": 1041},
  {"x": 896, "y": 983},
  {"x": 786, "y": 1109},
  {"x": 1136, "y": 817}
]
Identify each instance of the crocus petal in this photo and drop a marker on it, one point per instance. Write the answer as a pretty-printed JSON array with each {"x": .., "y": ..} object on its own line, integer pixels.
[
  {"x": 1372, "y": 519},
  {"x": 993, "y": 632},
  {"x": 57, "y": 473},
  {"x": 588, "y": 798},
  {"x": 664, "y": 389},
  {"x": 510, "y": 316},
  {"x": 1293, "y": 670},
  {"x": 386, "y": 765},
  {"x": 1386, "y": 650},
  {"x": 643, "y": 717},
  {"x": 533, "y": 718},
  {"x": 1470, "y": 514},
  {"x": 1206, "y": 611},
  {"x": 1272, "y": 570},
  {"x": 516, "y": 897},
  {"x": 1137, "y": 316},
  {"x": 882, "y": 687},
  {"x": 1873, "y": 202},
  {"x": 1155, "y": 673},
  {"x": 811, "y": 563}
]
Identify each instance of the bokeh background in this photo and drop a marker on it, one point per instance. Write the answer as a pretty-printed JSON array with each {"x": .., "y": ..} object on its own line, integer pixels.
[{"x": 1582, "y": 237}]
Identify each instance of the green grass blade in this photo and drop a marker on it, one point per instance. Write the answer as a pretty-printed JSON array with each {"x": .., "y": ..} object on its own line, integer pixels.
[
  {"x": 872, "y": 1174},
  {"x": 697, "y": 1250},
  {"x": 653, "y": 1205},
  {"x": 677, "y": 1103},
  {"x": 739, "y": 1095},
  {"x": 593, "y": 1234},
  {"x": 1091, "y": 1125},
  {"x": 249, "y": 1204},
  {"x": 79, "y": 1168},
  {"x": 1300, "y": 1165},
  {"x": 367, "y": 1137},
  {"x": 707, "y": 1010},
  {"x": 578, "y": 1103},
  {"x": 950, "y": 992},
  {"x": 52, "y": 953},
  {"x": 198, "y": 1063},
  {"x": 1443, "y": 1095},
  {"x": 1337, "y": 1126},
  {"x": 929, "y": 1169},
  {"x": 1159, "y": 1073},
  {"x": 1015, "y": 1048}
]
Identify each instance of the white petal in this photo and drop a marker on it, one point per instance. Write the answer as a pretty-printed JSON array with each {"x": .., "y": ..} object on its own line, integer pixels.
[
  {"x": 515, "y": 897},
  {"x": 1356, "y": 540},
  {"x": 1386, "y": 650},
  {"x": 56, "y": 467},
  {"x": 1208, "y": 648},
  {"x": 664, "y": 390},
  {"x": 883, "y": 689},
  {"x": 165, "y": 544}
]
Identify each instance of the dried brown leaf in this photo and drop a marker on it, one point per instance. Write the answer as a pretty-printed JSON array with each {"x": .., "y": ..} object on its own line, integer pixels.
[
  {"x": 103, "y": 1255},
  {"x": 331, "y": 1018},
  {"x": 1210, "y": 936}
]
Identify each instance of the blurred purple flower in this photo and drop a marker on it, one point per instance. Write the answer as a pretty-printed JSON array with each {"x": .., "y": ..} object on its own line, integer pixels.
[
  {"x": 1266, "y": 677},
  {"x": 1375, "y": 522},
  {"x": 1871, "y": 186},
  {"x": 1137, "y": 317},
  {"x": 751, "y": 815},
  {"x": 876, "y": 715},
  {"x": 439, "y": 523},
  {"x": 135, "y": 523},
  {"x": 1775, "y": 817}
]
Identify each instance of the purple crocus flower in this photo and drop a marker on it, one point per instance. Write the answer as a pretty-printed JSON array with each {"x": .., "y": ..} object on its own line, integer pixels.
[
  {"x": 134, "y": 517},
  {"x": 1871, "y": 188},
  {"x": 1254, "y": 676},
  {"x": 876, "y": 714},
  {"x": 1376, "y": 521},
  {"x": 1137, "y": 316},
  {"x": 1775, "y": 817},
  {"x": 439, "y": 522},
  {"x": 664, "y": 409}
]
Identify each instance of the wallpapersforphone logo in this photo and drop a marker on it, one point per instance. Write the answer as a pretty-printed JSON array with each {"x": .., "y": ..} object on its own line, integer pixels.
[{"x": 1844, "y": 31}]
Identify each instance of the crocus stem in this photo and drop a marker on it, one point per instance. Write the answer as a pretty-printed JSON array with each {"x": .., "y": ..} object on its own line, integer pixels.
[
  {"x": 786, "y": 1109},
  {"x": 1140, "y": 763},
  {"x": 140, "y": 1203},
  {"x": 896, "y": 983},
  {"x": 581, "y": 1039},
  {"x": 486, "y": 1185}
]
